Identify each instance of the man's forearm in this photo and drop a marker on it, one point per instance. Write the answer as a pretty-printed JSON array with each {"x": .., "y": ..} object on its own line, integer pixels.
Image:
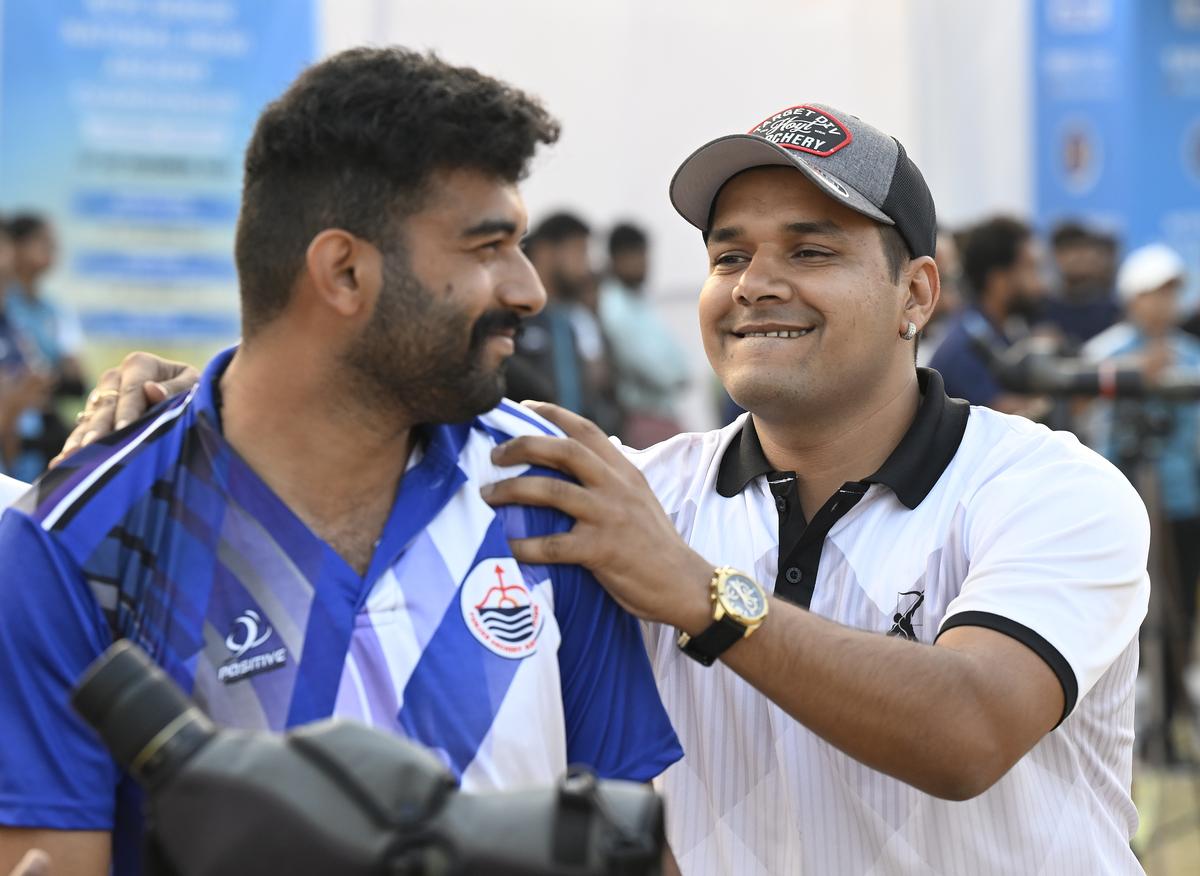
[
  {"x": 913, "y": 711},
  {"x": 949, "y": 719}
]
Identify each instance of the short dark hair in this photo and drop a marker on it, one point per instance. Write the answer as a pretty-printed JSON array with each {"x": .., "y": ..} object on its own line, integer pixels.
[
  {"x": 895, "y": 250},
  {"x": 1071, "y": 232},
  {"x": 558, "y": 227},
  {"x": 626, "y": 236},
  {"x": 992, "y": 245},
  {"x": 352, "y": 145},
  {"x": 23, "y": 226}
]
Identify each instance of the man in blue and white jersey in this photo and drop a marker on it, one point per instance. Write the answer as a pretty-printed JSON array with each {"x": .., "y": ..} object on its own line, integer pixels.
[{"x": 284, "y": 572}]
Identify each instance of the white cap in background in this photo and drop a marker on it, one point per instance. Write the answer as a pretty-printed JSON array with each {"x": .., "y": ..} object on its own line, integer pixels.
[{"x": 1147, "y": 269}]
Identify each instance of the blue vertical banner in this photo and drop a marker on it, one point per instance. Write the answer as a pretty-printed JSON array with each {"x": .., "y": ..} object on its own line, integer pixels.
[
  {"x": 1117, "y": 123},
  {"x": 126, "y": 122}
]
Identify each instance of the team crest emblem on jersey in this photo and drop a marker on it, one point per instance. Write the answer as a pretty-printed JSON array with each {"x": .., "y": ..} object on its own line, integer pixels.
[{"x": 499, "y": 610}]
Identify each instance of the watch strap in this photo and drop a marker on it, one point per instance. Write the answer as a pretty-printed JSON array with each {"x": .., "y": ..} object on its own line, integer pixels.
[{"x": 713, "y": 642}]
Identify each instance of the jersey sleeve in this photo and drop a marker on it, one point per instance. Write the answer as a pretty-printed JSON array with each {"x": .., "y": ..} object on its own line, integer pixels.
[
  {"x": 615, "y": 721},
  {"x": 1057, "y": 559},
  {"x": 54, "y": 771}
]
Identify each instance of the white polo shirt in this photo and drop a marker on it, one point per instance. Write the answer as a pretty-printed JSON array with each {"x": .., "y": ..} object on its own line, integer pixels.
[{"x": 978, "y": 518}]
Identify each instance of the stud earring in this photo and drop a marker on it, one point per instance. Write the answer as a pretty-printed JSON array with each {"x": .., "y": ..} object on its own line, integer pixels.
[{"x": 910, "y": 332}]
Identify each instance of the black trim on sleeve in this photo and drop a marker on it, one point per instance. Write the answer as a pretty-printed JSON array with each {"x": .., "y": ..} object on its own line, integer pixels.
[{"x": 1027, "y": 637}]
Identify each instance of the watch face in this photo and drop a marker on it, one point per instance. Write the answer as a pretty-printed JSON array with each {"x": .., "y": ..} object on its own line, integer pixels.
[{"x": 743, "y": 598}]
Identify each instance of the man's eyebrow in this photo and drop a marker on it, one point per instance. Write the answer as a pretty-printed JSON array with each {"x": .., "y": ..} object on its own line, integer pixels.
[
  {"x": 491, "y": 226},
  {"x": 824, "y": 226},
  {"x": 724, "y": 234}
]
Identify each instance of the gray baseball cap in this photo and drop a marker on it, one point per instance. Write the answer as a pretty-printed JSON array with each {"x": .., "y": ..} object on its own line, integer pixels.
[{"x": 850, "y": 161}]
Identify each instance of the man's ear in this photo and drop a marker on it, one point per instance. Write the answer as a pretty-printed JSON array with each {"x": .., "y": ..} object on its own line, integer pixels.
[
  {"x": 923, "y": 287},
  {"x": 346, "y": 272}
]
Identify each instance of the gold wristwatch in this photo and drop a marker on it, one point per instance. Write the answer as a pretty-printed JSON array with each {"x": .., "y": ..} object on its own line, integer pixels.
[{"x": 739, "y": 608}]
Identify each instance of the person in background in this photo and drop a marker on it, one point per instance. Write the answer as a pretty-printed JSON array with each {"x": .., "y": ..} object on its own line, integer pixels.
[
  {"x": 1149, "y": 339},
  {"x": 565, "y": 340},
  {"x": 651, "y": 369},
  {"x": 1003, "y": 271},
  {"x": 22, "y": 387},
  {"x": 1084, "y": 304},
  {"x": 951, "y": 301},
  {"x": 52, "y": 338},
  {"x": 546, "y": 365}
]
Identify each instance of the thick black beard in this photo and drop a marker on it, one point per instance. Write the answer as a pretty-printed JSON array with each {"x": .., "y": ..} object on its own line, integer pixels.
[{"x": 412, "y": 354}]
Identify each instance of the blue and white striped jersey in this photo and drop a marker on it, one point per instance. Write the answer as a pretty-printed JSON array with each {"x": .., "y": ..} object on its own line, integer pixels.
[{"x": 164, "y": 536}]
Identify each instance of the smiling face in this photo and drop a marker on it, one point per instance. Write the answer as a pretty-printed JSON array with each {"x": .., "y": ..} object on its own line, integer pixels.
[
  {"x": 801, "y": 315},
  {"x": 452, "y": 299}
]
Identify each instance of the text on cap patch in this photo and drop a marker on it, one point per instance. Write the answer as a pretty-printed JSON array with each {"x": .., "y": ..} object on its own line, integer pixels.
[{"x": 804, "y": 129}]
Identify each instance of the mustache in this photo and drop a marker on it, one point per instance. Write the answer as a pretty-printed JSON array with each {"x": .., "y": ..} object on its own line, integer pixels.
[{"x": 492, "y": 322}]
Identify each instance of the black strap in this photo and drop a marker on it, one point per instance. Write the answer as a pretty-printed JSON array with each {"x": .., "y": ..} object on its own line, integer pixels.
[{"x": 714, "y": 641}]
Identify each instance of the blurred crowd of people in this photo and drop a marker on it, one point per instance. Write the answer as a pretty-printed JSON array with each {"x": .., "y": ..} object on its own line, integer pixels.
[
  {"x": 1099, "y": 312},
  {"x": 40, "y": 346},
  {"x": 600, "y": 346}
]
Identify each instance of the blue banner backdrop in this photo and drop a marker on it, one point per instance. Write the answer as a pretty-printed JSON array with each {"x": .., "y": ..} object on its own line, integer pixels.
[
  {"x": 126, "y": 122},
  {"x": 1117, "y": 124}
]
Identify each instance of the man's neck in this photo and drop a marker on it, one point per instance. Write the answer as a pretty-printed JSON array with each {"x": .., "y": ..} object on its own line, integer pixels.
[
  {"x": 827, "y": 453},
  {"x": 332, "y": 461}
]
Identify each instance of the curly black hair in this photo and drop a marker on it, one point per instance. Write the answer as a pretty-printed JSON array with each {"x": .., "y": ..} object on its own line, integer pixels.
[{"x": 352, "y": 144}]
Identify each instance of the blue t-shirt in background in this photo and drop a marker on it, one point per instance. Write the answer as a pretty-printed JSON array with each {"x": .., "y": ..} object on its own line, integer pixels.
[{"x": 964, "y": 369}]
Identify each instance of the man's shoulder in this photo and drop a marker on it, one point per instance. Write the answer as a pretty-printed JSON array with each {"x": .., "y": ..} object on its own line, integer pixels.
[
  {"x": 1010, "y": 439},
  {"x": 506, "y": 421},
  {"x": 684, "y": 463},
  {"x": 510, "y": 420},
  {"x": 95, "y": 487},
  {"x": 1008, "y": 451},
  {"x": 1115, "y": 339}
]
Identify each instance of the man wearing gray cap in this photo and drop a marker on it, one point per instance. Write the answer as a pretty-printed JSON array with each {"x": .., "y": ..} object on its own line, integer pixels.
[{"x": 916, "y": 652}]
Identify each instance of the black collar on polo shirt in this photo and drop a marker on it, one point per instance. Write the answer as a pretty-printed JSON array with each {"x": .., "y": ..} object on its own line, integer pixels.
[{"x": 910, "y": 471}]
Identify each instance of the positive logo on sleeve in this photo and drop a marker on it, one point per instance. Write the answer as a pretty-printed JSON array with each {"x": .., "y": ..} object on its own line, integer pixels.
[
  {"x": 804, "y": 129},
  {"x": 498, "y": 609}
]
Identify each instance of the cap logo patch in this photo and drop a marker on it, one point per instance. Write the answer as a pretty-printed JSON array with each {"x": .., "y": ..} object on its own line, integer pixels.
[{"x": 804, "y": 129}]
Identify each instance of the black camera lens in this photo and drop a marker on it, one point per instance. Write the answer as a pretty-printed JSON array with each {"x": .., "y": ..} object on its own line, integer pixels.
[{"x": 143, "y": 718}]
